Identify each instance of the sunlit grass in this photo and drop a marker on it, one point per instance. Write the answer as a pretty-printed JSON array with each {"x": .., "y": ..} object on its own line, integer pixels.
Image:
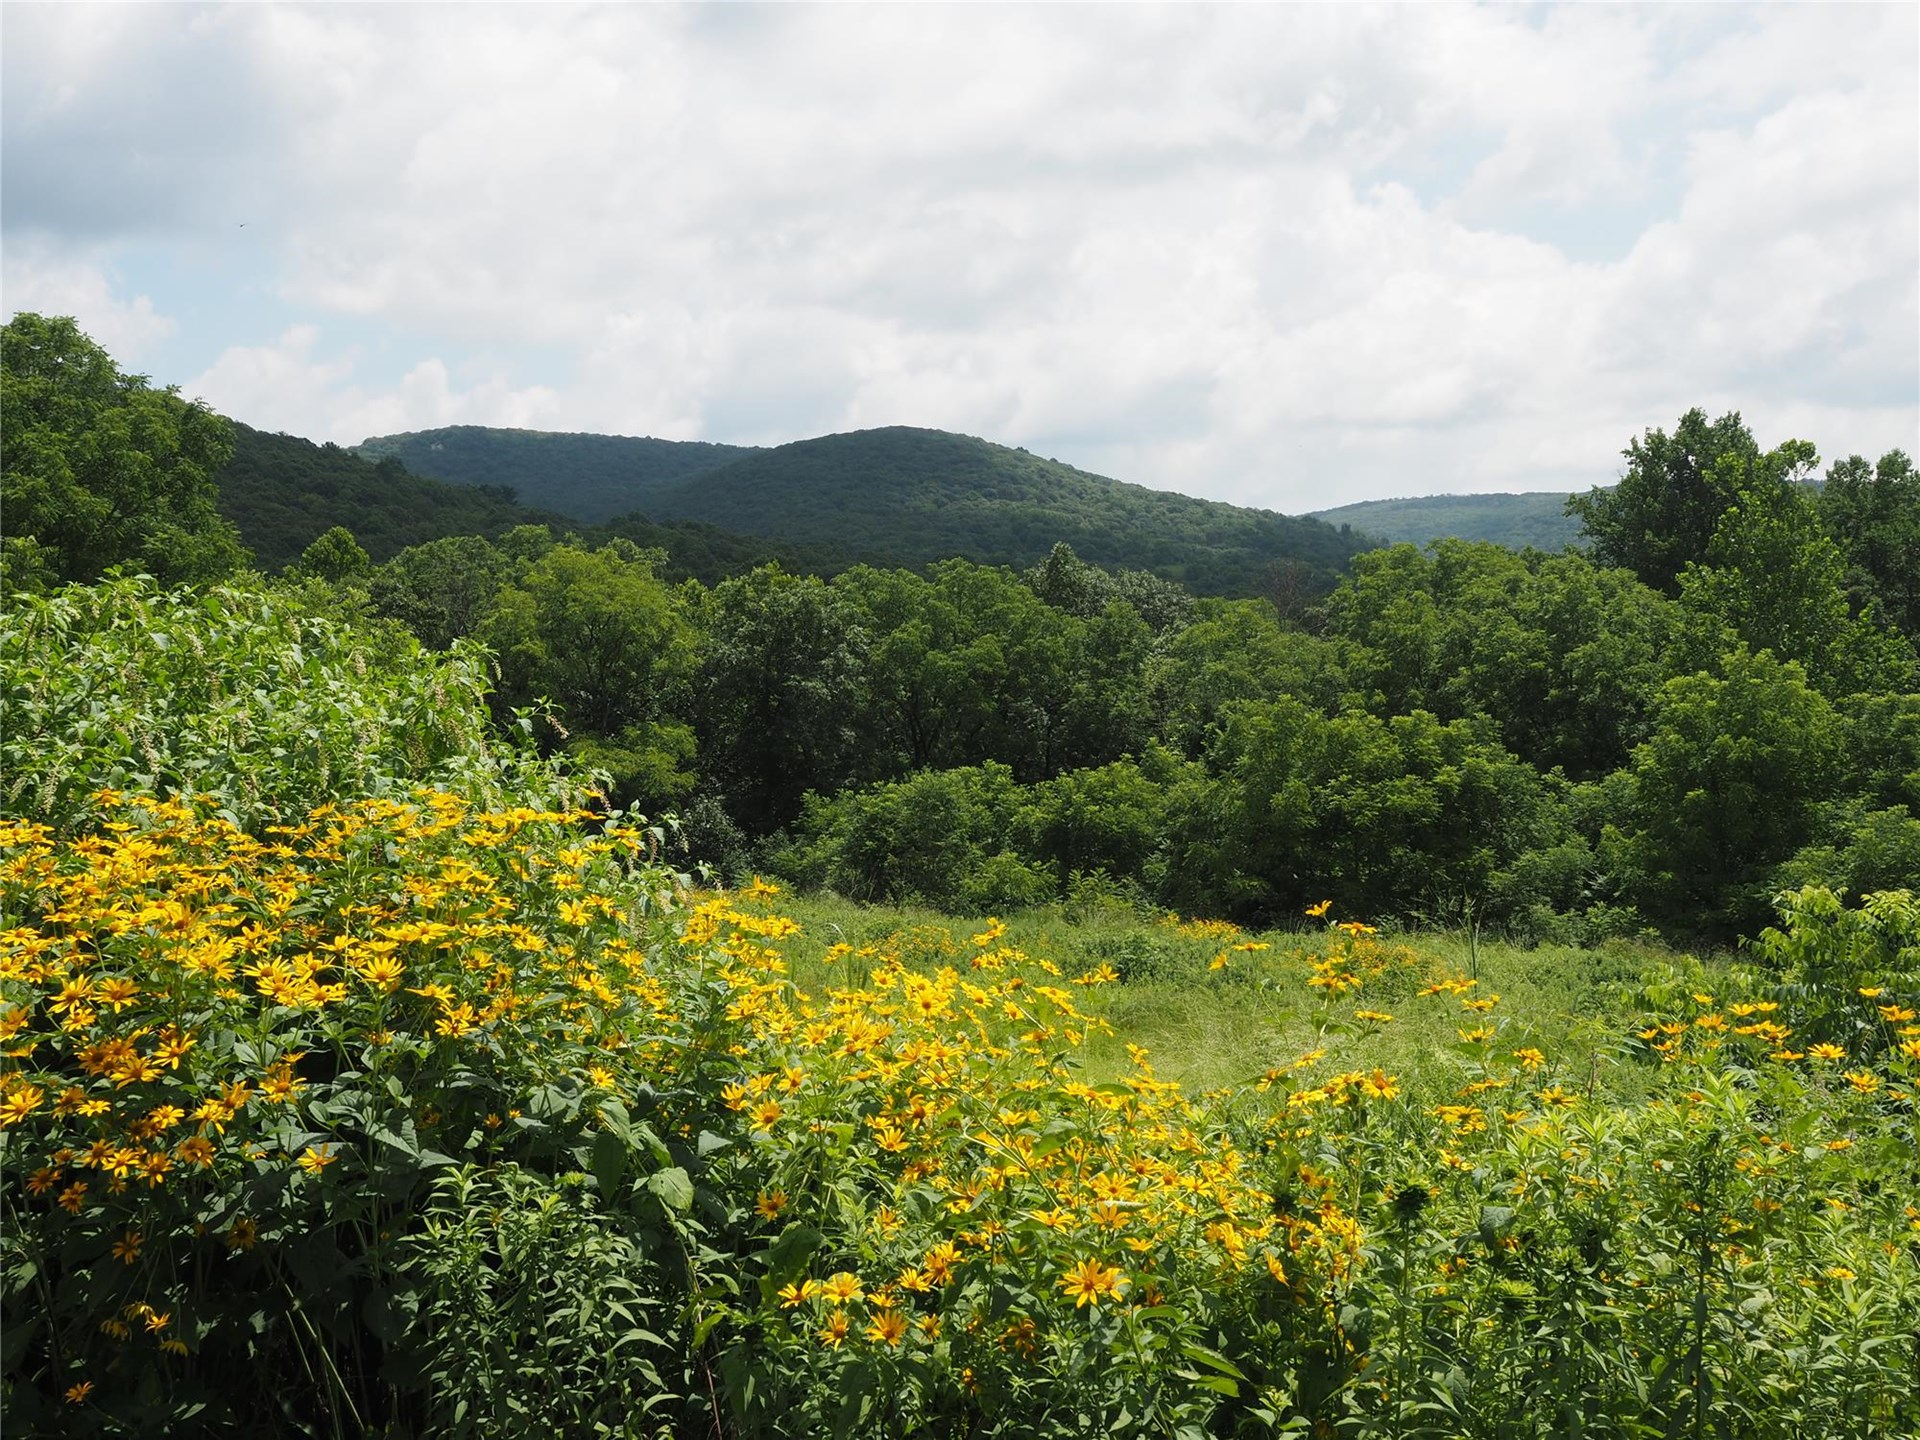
[
  {"x": 883, "y": 1171},
  {"x": 1211, "y": 1028}
]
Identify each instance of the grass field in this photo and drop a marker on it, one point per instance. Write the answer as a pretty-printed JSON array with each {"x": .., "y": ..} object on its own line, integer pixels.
[
  {"x": 1226, "y": 1027},
  {"x": 470, "y": 1121}
]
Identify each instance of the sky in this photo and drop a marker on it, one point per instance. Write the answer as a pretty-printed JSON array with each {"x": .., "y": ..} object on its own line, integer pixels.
[{"x": 1286, "y": 256}]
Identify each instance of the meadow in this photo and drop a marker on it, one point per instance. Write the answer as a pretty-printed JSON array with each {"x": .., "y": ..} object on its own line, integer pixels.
[
  {"x": 369, "y": 1065},
  {"x": 421, "y": 1117}
]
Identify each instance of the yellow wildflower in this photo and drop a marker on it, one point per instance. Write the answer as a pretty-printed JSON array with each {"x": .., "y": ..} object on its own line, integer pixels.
[
  {"x": 889, "y": 1327},
  {"x": 1088, "y": 1281},
  {"x": 842, "y": 1287}
]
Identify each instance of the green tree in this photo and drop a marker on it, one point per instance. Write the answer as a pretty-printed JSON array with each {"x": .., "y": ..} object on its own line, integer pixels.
[
  {"x": 969, "y": 665},
  {"x": 919, "y": 697},
  {"x": 1017, "y": 666},
  {"x": 928, "y": 838},
  {"x": 441, "y": 590},
  {"x": 101, "y": 469},
  {"x": 1234, "y": 650},
  {"x": 1068, "y": 583},
  {"x": 1385, "y": 816},
  {"x": 782, "y": 662},
  {"x": 335, "y": 557},
  {"x": 1563, "y": 655},
  {"x": 1663, "y": 513},
  {"x": 1571, "y": 674},
  {"x": 1391, "y": 616},
  {"x": 1873, "y": 512},
  {"x": 1774, "y": 577},
  {"x": 608, "y": 644},
  {"x": 1101, "y": 709},
  {"x": 1883, "y": 749},
  {"x": 1065, "y": 581},
  {"x": 1727, "y": 787},
  {"x": 1111, "y": 818},
  {"x": 1860, "y": 850}
]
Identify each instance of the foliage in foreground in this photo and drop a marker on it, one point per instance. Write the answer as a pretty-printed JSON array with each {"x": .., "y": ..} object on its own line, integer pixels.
[
  {"x": 100, "y": 468},
  {"x": 416, "y": 1117},
  {"x": 242, "y": 696}
]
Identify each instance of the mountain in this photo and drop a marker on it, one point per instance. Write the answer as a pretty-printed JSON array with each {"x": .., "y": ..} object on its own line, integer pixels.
[
  {"x": 1534, "y": 517},
  {"x": 283, "y": 493},
  {"x": 588, "y": 477},
  {"x": 906, "y": 496}
]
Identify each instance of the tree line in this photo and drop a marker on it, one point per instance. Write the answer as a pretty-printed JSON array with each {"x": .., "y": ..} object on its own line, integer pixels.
[{"x": 1715, "y": 698}]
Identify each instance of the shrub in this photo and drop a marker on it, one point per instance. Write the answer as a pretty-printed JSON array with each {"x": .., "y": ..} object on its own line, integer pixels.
[
  {"x": 242, "y": 696},
  {"x": 237, "y": 1066},
  {"x": 420, "y": 1118}
]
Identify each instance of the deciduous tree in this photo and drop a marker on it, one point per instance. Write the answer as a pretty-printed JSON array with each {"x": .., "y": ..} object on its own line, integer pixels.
[
  {"x": 1663, "y": 512},
  {"x": 100, "y": 469}
]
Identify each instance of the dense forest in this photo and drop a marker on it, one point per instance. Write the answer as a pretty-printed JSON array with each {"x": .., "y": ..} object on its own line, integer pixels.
[
  {"x": 1536, "y": 519},
  {"x": 899, "y": 496},
  {"x": 587, "y": 478},
  {"x": 1714, "y": 699},
  {"x": 283, "y": 493},
  {"x": 376, "y": 1061}
]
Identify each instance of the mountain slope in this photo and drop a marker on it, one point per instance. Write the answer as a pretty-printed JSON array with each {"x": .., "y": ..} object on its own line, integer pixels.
[
  {"x": 922, "y": 495},
  {"x": 284, "y": 492},
  {"x": 897, "y": 496},
  {"x": 587, "y": 477},
  {"x": 1536, "y": 517}
]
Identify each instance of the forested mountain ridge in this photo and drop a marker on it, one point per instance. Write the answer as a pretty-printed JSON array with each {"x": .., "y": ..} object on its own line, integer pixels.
[
  {"x": 585, "y": 477},
  {"x": 1715, "y": 697},
  {"x": 283, "y": 493},
  {"x": 1536, "y": 518},
  {"x": 912, "y": 495}
]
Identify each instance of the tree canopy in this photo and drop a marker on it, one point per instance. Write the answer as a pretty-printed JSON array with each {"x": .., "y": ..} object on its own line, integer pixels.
[
  {"x": 1662, "y": 514},
  {"x": 100, "y": 469},
  {"x": 1873, "y": 514},
  {"x": 1719, "y": 698}
]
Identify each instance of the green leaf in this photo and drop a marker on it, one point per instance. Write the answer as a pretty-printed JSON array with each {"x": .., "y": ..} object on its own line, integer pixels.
[
  {"x": 609, "y": 1162},
  {"x": 791, "y": 1250},
  {"x": 1213, "y": 1360},
  {"x": 385, "y": 1316},
  {"x": 1494, "y": 1219},
  {"x": 673, "y": 1187}
]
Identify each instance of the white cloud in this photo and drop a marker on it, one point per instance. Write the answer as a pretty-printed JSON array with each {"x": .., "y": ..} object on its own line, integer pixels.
[
  {"x": 1285, "y": 255},
  {"x": 428, "y": 397},
  {"x": 287, "y": 386},
  {"x": 269, "y": 385},
  {"x": 33, "y": 277}
]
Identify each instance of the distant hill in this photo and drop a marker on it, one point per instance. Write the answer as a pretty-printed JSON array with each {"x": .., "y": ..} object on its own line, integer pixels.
[
  {"x": 906, "y": 496},
  {"x": 1535, "y": 517},
  {"x": 283, "y": 493},
  {"x": 922, "y": 495},
  {"x": 587, "y": 477}
]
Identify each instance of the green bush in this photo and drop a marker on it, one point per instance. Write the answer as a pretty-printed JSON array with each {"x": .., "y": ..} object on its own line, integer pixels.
[
  {"x": 535, "y": 1311},
  {"x": 925, "y": 837},
  {"x": 241, "y": 695}
]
